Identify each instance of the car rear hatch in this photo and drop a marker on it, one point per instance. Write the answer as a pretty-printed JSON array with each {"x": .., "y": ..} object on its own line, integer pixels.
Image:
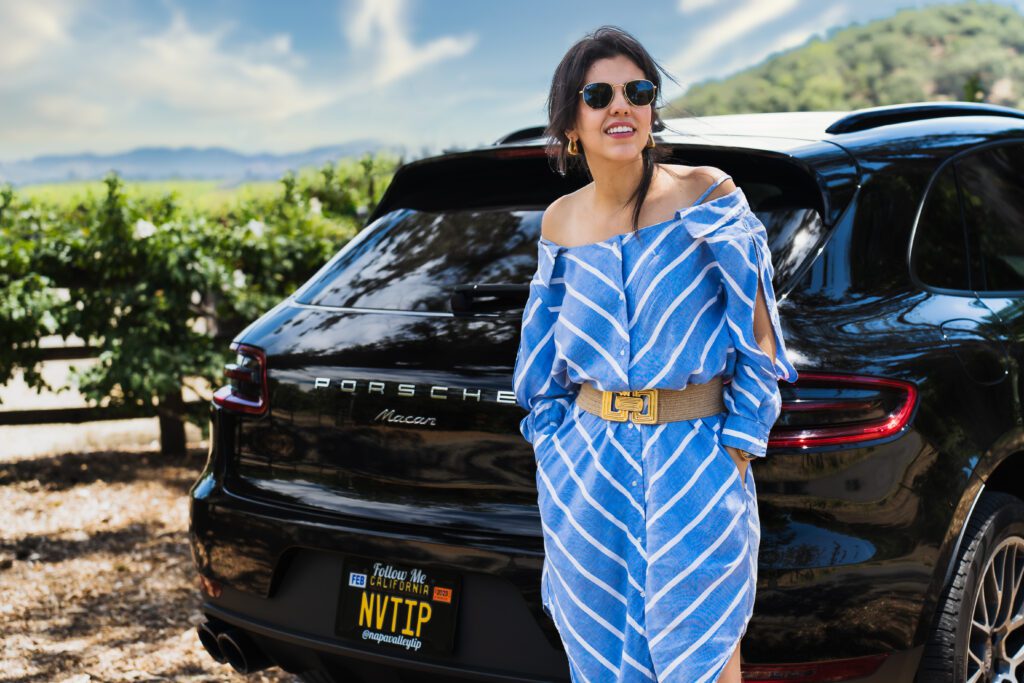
[{"x": 389, "y": 374}]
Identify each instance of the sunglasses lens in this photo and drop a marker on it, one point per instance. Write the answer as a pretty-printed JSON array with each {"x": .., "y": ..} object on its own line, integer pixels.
[
  {"x": 597, "y": 95},
  {"x": 640, "y": 93}
]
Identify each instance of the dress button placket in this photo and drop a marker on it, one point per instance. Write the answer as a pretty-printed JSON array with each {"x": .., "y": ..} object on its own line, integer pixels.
[
  {"x": 639, "y": 484},
  {"x": 623, "y": 315}
]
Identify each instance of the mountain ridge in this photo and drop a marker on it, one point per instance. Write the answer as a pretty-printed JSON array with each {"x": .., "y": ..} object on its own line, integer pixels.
[{"x": 190, "y": 162}]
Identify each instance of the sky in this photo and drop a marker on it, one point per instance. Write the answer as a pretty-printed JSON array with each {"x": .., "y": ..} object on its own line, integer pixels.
[{"x": 268, "y": 76}]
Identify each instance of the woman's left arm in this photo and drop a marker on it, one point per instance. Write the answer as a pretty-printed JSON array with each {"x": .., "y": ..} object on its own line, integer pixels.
[
  {"x": 763, "y": 335},
  {"x": 752, "y": 398}
]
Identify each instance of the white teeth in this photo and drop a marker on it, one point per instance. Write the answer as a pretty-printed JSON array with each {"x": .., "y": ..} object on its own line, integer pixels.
[{"x": 619, "y": 129}]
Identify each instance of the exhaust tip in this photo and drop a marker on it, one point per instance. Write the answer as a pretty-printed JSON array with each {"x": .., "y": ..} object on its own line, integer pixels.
[
  {"x": 241, "y": 652},
  {"x": 208, "y": 637}
]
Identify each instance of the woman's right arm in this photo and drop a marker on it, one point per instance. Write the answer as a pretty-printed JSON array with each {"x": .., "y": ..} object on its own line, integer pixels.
[{"x": 541, "y": 381}]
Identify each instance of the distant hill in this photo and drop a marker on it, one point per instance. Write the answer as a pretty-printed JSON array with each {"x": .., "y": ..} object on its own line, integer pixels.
[
  {"x": 165, "y": 163},
  {"x": 969, "y": 51}
]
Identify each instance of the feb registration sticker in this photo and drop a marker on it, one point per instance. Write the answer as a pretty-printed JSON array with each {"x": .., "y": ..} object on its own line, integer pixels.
[{"x": 398, "y": 606}]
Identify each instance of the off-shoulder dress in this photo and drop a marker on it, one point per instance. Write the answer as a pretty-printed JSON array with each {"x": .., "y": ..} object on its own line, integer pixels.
[{"x": 650, "y": 537}]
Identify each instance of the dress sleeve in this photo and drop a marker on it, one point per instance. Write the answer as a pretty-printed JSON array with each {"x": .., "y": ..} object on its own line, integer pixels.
[
  {"x": 752, "y": 398},
  {"x": 540, "y": 380}
]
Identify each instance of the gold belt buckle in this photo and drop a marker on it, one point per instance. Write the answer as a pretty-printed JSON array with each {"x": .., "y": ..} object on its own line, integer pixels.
[{"x": 630, "y": 405}]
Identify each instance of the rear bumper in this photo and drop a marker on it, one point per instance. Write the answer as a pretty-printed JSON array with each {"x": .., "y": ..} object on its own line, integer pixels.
[
  {"x": 297, "y": 652},
  {"x": 502, "y": 633},
  {"x": 281, "y": 568},
  {"x": 282, "y": 571}
]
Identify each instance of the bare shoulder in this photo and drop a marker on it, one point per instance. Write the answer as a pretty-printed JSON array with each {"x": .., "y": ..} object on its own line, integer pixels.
[
  {"x": 708, "y": 175},
  {"x": 558, "y": 215},
  {"x": 689, "y": 182}
]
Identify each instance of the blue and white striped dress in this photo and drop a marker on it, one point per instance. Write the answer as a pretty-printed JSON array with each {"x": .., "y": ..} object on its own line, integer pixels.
[{"x": 650, "y": 537}]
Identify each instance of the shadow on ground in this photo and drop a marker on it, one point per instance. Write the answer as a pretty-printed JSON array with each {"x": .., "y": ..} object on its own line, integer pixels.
[{"x": 96, "y": 577}]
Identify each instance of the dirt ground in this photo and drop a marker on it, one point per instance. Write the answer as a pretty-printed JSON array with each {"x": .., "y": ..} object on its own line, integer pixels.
[{"x": 96, "y": 579}]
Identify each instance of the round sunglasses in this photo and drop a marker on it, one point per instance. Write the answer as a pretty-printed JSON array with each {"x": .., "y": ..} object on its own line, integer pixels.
[{"x": 639, "y": 93}]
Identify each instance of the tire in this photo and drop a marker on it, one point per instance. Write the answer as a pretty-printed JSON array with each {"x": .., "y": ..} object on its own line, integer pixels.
[{"x": 960, "y": 649}]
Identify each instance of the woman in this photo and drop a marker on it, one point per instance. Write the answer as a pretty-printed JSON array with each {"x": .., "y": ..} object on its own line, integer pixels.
[{"x": 647, "y": 501}]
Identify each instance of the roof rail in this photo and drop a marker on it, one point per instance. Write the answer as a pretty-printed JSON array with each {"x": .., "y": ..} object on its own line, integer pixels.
[
  {"x": 863, "y": 119},
  {"x": 521, "y": 134}
]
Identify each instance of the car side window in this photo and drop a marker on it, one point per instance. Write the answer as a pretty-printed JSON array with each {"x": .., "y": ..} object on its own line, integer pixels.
[
  {"x": 992, "y": 191},
  {"x": 940, "y": 251}
]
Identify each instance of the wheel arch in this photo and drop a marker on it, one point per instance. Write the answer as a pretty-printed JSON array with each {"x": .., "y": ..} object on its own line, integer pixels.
[{"x": 1001, "y": 468}]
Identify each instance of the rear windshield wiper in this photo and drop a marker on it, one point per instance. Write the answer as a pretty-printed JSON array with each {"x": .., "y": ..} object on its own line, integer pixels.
[{"x": 483, "y": 299}]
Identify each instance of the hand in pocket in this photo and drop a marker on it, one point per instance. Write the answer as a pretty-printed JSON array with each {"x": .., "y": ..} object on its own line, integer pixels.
[{"x": 741, "y": 463}]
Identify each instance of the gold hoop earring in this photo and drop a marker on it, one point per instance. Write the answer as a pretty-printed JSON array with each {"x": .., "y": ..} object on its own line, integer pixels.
[
  {"x": 650, "y": 140},
  {"x": 572, "y": 150}
]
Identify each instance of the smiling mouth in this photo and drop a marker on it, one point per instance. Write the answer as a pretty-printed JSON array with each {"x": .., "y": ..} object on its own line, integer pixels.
[{"x": 620, "y": 131}]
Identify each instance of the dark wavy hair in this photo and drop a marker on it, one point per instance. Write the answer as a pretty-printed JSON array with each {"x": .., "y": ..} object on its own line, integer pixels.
[{"x": 564, "y": 101}]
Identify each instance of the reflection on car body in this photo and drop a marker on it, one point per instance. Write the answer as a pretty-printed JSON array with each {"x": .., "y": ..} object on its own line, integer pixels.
[{"x": 369, "y": 420}]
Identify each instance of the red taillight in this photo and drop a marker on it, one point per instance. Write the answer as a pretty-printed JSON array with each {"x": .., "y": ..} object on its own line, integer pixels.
[
  {"x": 822, "y": 409},
  {"x": 247, "y": 391},
  {"x": 813, "y": 672}
]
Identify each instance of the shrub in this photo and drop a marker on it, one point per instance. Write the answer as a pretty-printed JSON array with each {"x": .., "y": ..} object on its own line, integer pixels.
[{"x": 158, "y": 287}]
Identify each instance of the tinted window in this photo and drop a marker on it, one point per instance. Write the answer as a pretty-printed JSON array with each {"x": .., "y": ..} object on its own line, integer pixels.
[
  {"x": 409, "y": 260},
  {"x": 794, "y": 228},
  {"x": 940, "y": 252},
  {"x": 992, "y": 187}
]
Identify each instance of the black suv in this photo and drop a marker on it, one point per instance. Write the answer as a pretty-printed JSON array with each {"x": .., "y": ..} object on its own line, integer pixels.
[{"x": 369, "y": 508}]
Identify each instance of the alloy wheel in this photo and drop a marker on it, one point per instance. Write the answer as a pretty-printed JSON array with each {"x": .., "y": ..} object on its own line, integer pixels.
[{"x": 995, "y": 646}]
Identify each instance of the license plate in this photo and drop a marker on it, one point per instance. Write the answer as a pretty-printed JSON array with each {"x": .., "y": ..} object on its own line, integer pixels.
[{"x": 398, "y": 606}]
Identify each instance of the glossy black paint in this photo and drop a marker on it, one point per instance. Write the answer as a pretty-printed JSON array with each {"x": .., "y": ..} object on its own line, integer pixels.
[{"x": 856, "y": 541}]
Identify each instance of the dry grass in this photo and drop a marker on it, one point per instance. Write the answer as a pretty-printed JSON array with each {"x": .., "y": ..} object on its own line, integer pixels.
[{"x": 96, "y": 579}]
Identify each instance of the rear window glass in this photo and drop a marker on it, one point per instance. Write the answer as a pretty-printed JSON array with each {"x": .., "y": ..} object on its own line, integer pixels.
[{"x": 409, "y": 260}]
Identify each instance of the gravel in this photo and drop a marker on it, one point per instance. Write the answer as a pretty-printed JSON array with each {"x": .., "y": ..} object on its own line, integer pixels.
[{"x": 96, "y": 578}]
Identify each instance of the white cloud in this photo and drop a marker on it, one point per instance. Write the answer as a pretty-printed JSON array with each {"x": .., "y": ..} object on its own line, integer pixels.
[
  {"x": 691, "y": 6},
  {"x": 29, "y": 29},
  {"x": 708, "y": 46},
  {"x": 280, "y": 44},
  {"x": 380, "y": 28},
  {"x": 195, "y": 73},
  {"x": 832, "y": 16},
  {"x": 277, "y": 47},
  {"x": 69, "y": 110}
]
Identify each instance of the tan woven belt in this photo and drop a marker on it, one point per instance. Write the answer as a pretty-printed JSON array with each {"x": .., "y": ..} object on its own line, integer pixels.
[{"x": 661, "y": 405}]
